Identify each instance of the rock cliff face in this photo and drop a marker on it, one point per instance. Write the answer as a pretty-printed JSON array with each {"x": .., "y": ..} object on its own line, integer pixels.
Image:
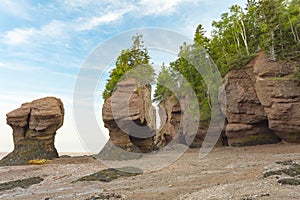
[
  {"x": 279, "y": 95},
  {"x": 34, "y": 128},
  {"x": 130, "y": 117},
  {"x": 262, "y": 102},
  {"x": 247, "y": 120}
]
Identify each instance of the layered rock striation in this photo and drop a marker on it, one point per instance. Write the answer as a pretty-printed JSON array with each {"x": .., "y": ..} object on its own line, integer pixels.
[
  {"x": 170, "y": 114},
  {"x": 262, "y": 104},
  {"x": 130, "y": 117},
  {"x": 34, "y": 128},
  {"x": 180, "y": 124},
  {"x": 279, "y": 95}
]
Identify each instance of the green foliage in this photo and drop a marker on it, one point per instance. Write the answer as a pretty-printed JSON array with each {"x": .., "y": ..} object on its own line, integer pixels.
[
  {"x": 264, "y": 25},
  {"x": 128, "y": 60},
  {"x": 165, "y": 84},
  {"x": 297, "y": 75},
  {"x": 269, "y": 25},
  {"x": 200, "y": 37},
  {"x": 185, "y": 76},
  {"x": 205, "y": 110}
]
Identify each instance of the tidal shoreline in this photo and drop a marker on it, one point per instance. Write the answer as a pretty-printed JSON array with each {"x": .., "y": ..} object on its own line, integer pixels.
[{"x": 226, "y": 173}]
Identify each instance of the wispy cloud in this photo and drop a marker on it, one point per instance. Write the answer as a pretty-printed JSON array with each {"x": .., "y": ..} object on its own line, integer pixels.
[
  {"x": 18, "y": 9},
  {"x": 93, "y": 22},
  {"x": 18, "y": 36},
  {"x": 158, "y": 7},
  {"x": 59, "y": 30},
  {"x": 17, "y": 67}
]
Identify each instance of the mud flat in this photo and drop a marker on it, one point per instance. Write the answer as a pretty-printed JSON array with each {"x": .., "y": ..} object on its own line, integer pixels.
[{"x": 226, "y": 173}]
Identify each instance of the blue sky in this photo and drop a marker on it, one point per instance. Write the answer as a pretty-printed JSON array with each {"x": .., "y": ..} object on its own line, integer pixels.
[{"x": 43, "y": 45}]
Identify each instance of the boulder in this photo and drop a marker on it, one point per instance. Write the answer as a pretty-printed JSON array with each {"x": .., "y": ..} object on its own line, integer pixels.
[
  {"x": 34, "y": 128},
  {"x": 279, "y": 95},
  {"x": 247, "y": 119},
  {"x": 130, "y": 117}
]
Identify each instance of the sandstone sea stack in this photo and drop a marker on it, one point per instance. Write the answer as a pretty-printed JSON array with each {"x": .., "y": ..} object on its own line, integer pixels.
[
  {"x": 130, "y": 117},
  {"x": 34, "y": 128}
]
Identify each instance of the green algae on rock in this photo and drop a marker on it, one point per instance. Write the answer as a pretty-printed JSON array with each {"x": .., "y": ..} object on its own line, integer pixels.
[
  {"x": 26, "y": 150},
  {"x": 291, "y": 171},
  {"x": 23, "y": 183},
  {"x": 34, "y": 128},
  {"x": 105, "y": 196},
  {"x": 113, "y": 152},
  {"x": 289, "y": 181},
  {"x": 110, "y": 174}
]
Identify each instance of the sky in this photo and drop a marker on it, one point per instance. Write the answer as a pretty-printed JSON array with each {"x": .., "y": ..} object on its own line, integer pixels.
[{"x": 44, "y": 45}]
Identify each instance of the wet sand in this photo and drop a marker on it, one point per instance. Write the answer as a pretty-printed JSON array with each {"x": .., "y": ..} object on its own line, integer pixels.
[{"x": 226, "y": 173}]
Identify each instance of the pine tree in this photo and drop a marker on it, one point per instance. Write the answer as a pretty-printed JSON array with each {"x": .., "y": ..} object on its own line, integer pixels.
[
  {"x": 200, "y": 37},
  {"x": 165, "y": 85},
  {"x": 128, "y": 60}
]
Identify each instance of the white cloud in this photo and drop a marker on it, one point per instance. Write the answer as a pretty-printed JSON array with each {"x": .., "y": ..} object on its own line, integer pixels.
[
  {"x": 54, "y": 29},
  {"x": 93, "y": 22},
  {"x": 19, "y": 9},
  {"x": 17, "y": 67},
  {"x": 74, "y": 4},
  {"x": 59, "y": 30},
  {"x": 18, "y": 36},
  {"x": 158, "y": 7}
]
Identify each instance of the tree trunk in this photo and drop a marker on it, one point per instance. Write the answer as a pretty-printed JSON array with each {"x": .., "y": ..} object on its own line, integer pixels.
[
  {"x": 244, "y": 36},
  {"x": 272, "y": 48}
]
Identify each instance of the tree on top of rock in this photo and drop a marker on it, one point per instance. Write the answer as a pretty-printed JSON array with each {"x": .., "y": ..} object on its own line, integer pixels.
[{"x": 129, "y": 59}]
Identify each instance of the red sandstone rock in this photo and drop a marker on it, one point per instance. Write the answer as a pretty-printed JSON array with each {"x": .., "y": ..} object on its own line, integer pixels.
[{"x": 34, "y": 128}]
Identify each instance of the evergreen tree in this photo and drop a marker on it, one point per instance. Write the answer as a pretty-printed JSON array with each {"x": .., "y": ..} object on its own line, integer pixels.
[
  {"x": 293, "y": 16},
  {"x": 165, "y": 84},
  {"x": 200, "y": 37},
  {"x": 128, "y": 60}
]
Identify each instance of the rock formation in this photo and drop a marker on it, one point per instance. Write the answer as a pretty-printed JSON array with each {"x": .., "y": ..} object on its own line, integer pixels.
[
  {"x": 130, "y": 117},
  {"x": 262, "y": 103},
  {"x": 170, "y": 116},
  {"x": 179, "y": 127},
  {"x": 279, "y": 95},
  {"x": 247, "y": 120},
  {"x": 34, "y": 128}
]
